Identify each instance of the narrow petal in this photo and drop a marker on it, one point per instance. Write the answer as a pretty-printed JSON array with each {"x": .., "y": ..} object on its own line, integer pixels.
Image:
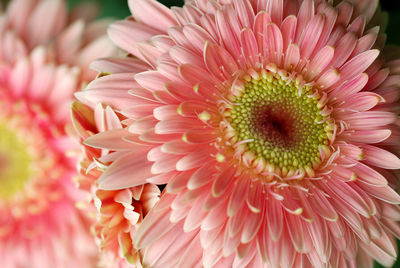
[
  {"x": 320, "y": 61},
  {"x": 275, "y": 8},
  {"x": 111, "y": 140},
  {"x": 358, "y": 64},
  {"x": 238, "y": 196},
  {"x": 128, "y": 171},
  {"x": 368, "y": 136},
  {"x": 274, "y": 214},
  {"x": 380, "y": 158},
  {"x": 146, "y": 10},
  {"x": 273, "y": 43}
]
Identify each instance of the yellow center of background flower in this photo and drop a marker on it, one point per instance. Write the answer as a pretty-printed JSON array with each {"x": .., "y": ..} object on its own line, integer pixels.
[{"x": 15, "y": 162}]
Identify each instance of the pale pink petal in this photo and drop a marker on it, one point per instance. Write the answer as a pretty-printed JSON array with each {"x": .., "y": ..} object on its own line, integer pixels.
[
  {"x": 380, "y": 158},
  {"x": 145, "y": 11},
  {"x": 127, "y": 171},
  {"x": 358, "y": 64}
]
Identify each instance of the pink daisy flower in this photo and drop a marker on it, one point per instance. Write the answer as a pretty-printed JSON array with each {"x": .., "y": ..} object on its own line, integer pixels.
[
  {"x": 273, "y": 123},
  {"x": 121, "y": 211},
  {"x": 44, "y": 56}
]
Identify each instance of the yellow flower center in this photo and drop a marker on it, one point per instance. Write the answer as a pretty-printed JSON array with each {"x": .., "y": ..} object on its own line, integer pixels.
[
  {"x": 15, "y": 162},
  {"x": 279, "y": 122}
]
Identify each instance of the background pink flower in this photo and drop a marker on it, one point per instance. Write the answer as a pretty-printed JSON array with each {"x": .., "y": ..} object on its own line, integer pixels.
[
  {"x": 273, "y": 123},
  {"x": 121, "y": 211},
  {"x": 44, "y": 57}
]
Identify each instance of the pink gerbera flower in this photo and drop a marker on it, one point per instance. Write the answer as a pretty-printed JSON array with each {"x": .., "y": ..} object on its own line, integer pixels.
[
  {"x": 43, "y": 59},
  {"x": 120, "y": 211},
  {"x": 273, "y": 123}
]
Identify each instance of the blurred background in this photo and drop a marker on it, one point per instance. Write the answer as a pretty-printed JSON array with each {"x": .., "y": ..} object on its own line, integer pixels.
[{"x": 118, "y": 9}]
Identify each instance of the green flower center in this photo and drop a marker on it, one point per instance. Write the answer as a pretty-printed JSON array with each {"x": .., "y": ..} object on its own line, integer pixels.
[
  {"x": 15, "y": 162},
  {"x": 280, "y": 122}
]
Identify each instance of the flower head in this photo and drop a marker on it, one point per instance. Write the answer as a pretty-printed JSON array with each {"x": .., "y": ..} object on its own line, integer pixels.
[
  {"x": 120, "y": 211},
  {"x": 273, "y": 123},
  {"x": 40, "y": 225}
]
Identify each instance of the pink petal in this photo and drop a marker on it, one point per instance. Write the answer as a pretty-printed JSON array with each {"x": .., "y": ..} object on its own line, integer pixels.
[
  {"x": 245, "y": 12},
  {"x": 358, "y": 64},
  {"x": 357, "y": 26},
  {"x": 154, "y": 226},
  {"x": 128, "y": 171},
  {"x": 111, "y": 140},
  {"x": 350, "y": 87},
  {"x": 195, "y": 216},
  {"x": 345, "y": 12},
  {"x": 367, "y": 41},
  {"x": 348, "y": 195},
  {"x": 362, "y": 101},
  {"x": 329, "y": 78},
  {"x": 275, "y": 8},
  {"x": 165, "y": 163},
  {"x": 119, "y": 65},
  {"x": 178, "y": 182},
  {"x": 199, "y": 136},
  {"x": 322, "y": 206},
  {"x": 235, "y": 223},
  {"x": 274, "y": 214},
  {"x": 385, "y": 193},
  {"x": 202, "y": 176},
  {"x": 178, "y": 147},
  {"x": 368, "y": 136},
  {"x": 165, "y": 112},
  {"x": 152, "y": 13},
  {"x": 148, "y": 53},
  {"x": 238, "y": 196},
  {"x": 227, "y": 34},
  {"x": 305, "y": 14},
  {"x": 311, "y": 35},
  {"x": 42, "y": 33},
  {"x": 260, "y": 23},
  {"x": 197, "y": 36},
  {"x": 151, "y": 80},
  {"x": 295, "y": 230},
  {"x": 254, "y": 199},
  {"x": 175, "y": 126},
  {"x": 369, "y": 176},
  {"x": 192, "y": 256},
  {"x": 183, "y": 55},
  {"x": 368, "y": 120},
  {"x": 344, "y": 48},
  {"x": 143, "y": 125},
  {"x": 273, "y": 43},
  {"x": 380, "y": 158},
  {"x": 193, "y": 75},
  {"x": 249, "y": 46},
  {"x": 120, "y": 33},
  {"x": 250, "y": 229},
  {"x": 215, "y": 217},
  {"x": 320, "y": 61},
  {"x": 292, "y": 57},
  {"x": 219, "y": 61},
  {"x": 193, "y": 160},
  {"x": 288, "y": 29},
  {"x": 222, "y": 182}
]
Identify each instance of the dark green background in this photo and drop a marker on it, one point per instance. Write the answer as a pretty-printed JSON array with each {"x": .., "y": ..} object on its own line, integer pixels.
[{"x": 119, "y": 9}]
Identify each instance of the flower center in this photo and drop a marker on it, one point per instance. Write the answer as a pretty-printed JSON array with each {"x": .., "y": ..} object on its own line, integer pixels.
[
  {"x": 15, "y": 162},
  {"x": 278, "y": 124}
]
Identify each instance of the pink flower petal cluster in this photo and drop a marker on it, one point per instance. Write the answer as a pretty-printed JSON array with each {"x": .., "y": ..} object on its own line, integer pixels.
[
  {"x": 119, "y": 211},
  {"x": 44, "y": 57},
  {"x": 273, "y": 124}
]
